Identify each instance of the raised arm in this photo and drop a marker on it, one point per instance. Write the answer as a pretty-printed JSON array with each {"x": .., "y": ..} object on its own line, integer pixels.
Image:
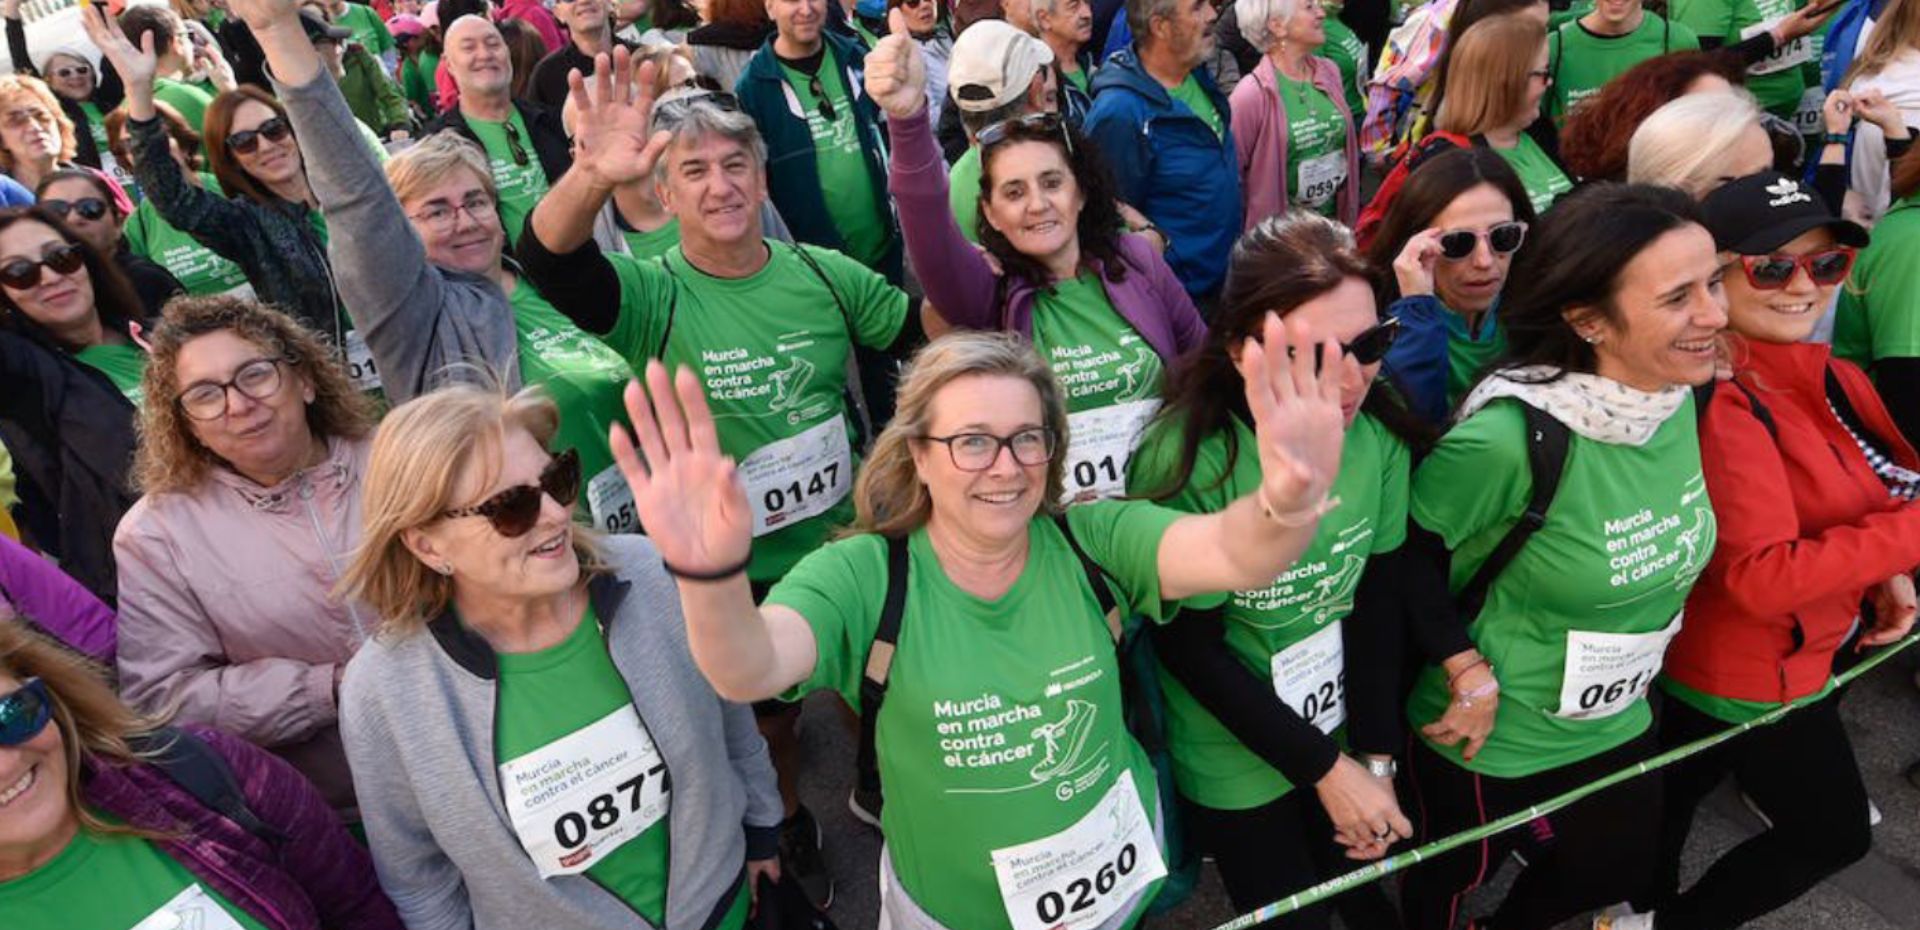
[{"x": 613, "y": 146}]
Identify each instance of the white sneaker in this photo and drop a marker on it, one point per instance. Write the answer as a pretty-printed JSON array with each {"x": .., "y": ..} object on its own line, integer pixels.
[
  {"x": 1873, "y": 813},
  {"x": 1609, "y": 920}
]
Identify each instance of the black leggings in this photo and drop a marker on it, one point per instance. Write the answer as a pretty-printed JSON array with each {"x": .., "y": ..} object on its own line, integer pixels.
[
  {"x": 1597, "y": 852},
  {"x": 1269, "y": 852},
  {"x": 1802, "y": 774}
]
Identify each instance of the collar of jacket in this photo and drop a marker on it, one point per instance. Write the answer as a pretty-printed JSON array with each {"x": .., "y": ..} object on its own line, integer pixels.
[
  {"x": 606, "y": 592},
  {"x": 336, "y": 472}
]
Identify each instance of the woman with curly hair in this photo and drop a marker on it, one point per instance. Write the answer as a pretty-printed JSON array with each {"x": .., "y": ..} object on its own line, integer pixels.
[
  {"x": 253, "y": 443},
  {"x": 1593, "y": 144}
]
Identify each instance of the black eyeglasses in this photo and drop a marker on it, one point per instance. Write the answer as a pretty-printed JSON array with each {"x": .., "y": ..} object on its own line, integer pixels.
[
  {"x": 207, "y": 400},
  {"x": 1457, "y": 245},
  {"x": 515, "y": 510},
  {"x": 1773, "y": 272},
  {"x": 1365, "y": 349},
  {"x": 89, "y": 208},
  {"x": 978, "y": 451},
  {"x": 246, "y": 141},
  {"x": 514, "y": 147},
  {"x": 23, "y": 273},
  {"x": 820, "y": 97},
  {"x": 24, "y": 712},
  {"x": 1033, "y": 124}
]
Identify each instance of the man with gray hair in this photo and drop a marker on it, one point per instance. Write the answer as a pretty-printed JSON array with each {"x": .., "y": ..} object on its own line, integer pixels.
[
  {"x": 1163, "y": 127},
  {"x": 1067, "y": 26}
]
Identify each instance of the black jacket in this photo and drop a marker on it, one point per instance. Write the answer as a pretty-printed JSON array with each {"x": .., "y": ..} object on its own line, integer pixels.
[
  {"x": 548, "y": 85},
  {"x": 544, "y": 130}
]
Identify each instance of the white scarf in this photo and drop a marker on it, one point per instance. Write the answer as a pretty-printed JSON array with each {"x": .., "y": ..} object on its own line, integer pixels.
[{"x": 1600, "y": 409}]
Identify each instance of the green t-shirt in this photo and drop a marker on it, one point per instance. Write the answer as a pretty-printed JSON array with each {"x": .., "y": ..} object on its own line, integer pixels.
[
  {"x": 1003, "y": 722},
  {"x": 1288, "y": 632},
  {"x": 1349, "y": 53},
  {"x": 1195, "y": 97},
  {"x": 1566, "y": 625},
  {"x": 124, "y": 365},
  {"x": 585, "y": 379},
  {"x": 655, "y": 242},
  {"x": 963, "y": 193},
  {"x": 199, "y": 269},
  {"x": 416, "y": 79},
  {"x": 771, "y": 350},
  {"x": 517, "y": 173},
  {"x": 1776, "y": 81},
  {"x": 579, "y": 771},
  {"x": 1316, "y": 145},
  {"x": 191, "y": 101},
  {"x": 1079, "y": 78},
  {"x": 1582, "y": 61},
  {"x": 1544, "y": 180},
  {"x": 1468, "y": 353},
  {"x": 1725, "y": 709},
  {"x": 840, "y": 160},
  {"x": 367, "y": 28},
  {"x": 116, "y": 881},
  {"x": 1879, "y": 310},
  {"x": 1111, "y": 378}
]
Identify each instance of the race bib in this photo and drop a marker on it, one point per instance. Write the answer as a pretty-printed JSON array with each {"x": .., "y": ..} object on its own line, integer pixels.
[
  {"x": 577, "y": 799},
  {"x": 1791, "y": 55},
  {"x": 1310, "y": 676},
  {"x": 1606, "y": 672},
  {"x": 1102, "y": 441},
  {"x": 244, "y": 291},
  {"x": 360, "y": 368},
  {"x": 799, "y": 476},
  {"x": 1083, "y": 875},
  {"x": 191, "y": 909},
  {"x": 610, "y": 502},
  {"x": 1320, "y": 178}
]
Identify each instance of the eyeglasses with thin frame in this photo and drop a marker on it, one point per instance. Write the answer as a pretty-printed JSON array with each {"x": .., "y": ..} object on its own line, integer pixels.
[
  {"x": 1458, "y": 245},
  {"x": 1039, "y": 124},
  {"x": 514, "y": 146},
  {"x": 24, "y": 712},
  {"x": 440, "y": 215},
  {"x": 19, "y": 119},
  {"x": 23, "y": 273},
  {"x": 246, "y": 141},
  {"x": 258, "y": 380},
  {"x": 1773, "y": 272},
  {"x": 68, "y": 71},
  {"x": 820, "y": 96},
  {"x": 514, "y": 511},
  {"x": 89, "y": 208},
  {"x": 978, "y": 451}
]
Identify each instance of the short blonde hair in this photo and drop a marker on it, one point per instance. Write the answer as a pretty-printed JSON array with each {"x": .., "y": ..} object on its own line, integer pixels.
[
  {"x": 1487, "y": 73},
  {"x": 1683, "y": 144},
  {"x": 412, "y": 172},
  {"x": 889, "y": 498},
  {"x": 13, "y": 87},
  {"x": 420, "y": 454}
]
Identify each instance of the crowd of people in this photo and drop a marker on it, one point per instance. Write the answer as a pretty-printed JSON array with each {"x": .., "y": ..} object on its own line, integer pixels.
[{"x": 442, "y": 446}]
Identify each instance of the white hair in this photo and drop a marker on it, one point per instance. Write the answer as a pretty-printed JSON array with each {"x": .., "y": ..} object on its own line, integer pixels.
[
  {"x": 1254, "y": 15},
  {"x": 1684, "y": 143}
]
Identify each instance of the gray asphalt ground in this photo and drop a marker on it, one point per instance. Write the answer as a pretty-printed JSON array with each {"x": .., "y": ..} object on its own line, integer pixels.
[{"x": 1881, "y": 892}]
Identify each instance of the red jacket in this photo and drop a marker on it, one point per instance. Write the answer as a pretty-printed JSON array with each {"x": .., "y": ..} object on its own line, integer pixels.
[{"x": 1806, "y": 527}]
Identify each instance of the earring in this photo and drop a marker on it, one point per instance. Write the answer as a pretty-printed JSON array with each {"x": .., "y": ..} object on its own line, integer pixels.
[
  {"x": 1592, "y": 340},
  {"x": 444, "y": 568}
]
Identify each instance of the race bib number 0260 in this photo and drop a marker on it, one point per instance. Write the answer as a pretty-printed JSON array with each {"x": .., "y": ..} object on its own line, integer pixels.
[
  {"x": 798, "y": 477},
  {"x": 577, "y": 799},
  {"x": 1083, "y": 875}
]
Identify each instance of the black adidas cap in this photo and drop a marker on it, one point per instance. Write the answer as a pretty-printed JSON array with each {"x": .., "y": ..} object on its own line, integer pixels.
[{"x": 1761, "y": 212}]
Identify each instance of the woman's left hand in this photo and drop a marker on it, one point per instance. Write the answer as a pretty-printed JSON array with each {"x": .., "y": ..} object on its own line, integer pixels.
[
  {"x": 756, "y": 868},
  {"x": 1296, "y": 413},
  {"x": 1894, "y": 608}
]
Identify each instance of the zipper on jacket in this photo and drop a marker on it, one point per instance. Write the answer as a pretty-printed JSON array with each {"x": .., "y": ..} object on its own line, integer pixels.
[{"x": 305, "y": 493}]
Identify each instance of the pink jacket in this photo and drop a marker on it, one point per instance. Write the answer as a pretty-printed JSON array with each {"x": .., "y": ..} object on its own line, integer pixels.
[
  {"x": 225, "y": 614},
  {"x": 535, "y": 15},
  {"x": 1260, "y": 136}
]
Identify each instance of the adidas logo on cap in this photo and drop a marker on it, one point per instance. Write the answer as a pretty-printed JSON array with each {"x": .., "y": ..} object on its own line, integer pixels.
[{"x": 1786, "y": 191}]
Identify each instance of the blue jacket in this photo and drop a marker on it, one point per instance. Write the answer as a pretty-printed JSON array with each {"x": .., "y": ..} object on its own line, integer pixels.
[
  {"x": 793, "y": 177},
  {"x": 1171, "y": 166},
  {"x": 1421, "y": 359}
]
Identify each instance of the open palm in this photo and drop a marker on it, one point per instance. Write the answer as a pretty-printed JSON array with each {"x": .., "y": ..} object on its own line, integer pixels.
[
  {"x": 613, "y": 114},
  {"x": 136, "y": 66},
  {"x": 687, "y": 493},
  {"x": 1296, "y": 413}
]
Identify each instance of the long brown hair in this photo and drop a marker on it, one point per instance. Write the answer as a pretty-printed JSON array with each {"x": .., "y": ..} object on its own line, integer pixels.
[
  {"x": 1488, "y": 74},
  {"x": 113, "y": 298},
  {"x": 235, "y": 180},
  {"x": 1429, "y": 190}
]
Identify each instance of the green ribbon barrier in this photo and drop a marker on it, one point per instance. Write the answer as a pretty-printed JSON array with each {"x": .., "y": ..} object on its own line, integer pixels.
[{"x": 1391, "y": 864}]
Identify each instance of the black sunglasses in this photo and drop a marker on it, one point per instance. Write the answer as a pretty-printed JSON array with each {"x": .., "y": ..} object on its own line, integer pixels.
[
  {"x": 514, "y": 510},
  {"x": 514, "y": 146},
  {"x": 820, "y": 95},
  {"x": 23, "y": 273},
  {"x": 246, "y": 140},
  {"x": 24, "y": 712},
  {"x": 1033, "y": 124},
  {"x": 1457, "y": 245},
  {"x": 1367, "y": 348},
  {"x": 89, "y": 208},
  {"x": 668, "y": 114}
]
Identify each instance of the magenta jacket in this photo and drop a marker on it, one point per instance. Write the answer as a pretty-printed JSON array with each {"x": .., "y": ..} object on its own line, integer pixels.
[
  {"x": 315, "y": 877},
  {"x": 967, "y": 291},
  {"x": 1260, "y": 135},
  {"x": 44, "y": 595}
]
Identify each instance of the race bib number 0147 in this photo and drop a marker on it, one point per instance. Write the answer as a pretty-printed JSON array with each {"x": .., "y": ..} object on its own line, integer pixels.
[
  {"x": 798, "y": 477},
  {"x": 1082, "y": 876}
]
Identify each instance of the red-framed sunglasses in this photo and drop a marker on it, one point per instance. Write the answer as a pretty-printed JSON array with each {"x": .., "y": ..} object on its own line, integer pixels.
[{"x": 1773, "y": 272}]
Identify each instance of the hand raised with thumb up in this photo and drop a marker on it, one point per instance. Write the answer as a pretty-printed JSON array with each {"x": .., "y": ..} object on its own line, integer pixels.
[{"x": 896, "y": 72}]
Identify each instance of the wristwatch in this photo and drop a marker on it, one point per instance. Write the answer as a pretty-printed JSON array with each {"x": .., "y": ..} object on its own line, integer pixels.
[{"x": 1381, "y": 768}]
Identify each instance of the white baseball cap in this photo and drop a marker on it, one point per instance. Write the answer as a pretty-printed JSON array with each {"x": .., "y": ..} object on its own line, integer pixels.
[{"x": 993, "y": 64}]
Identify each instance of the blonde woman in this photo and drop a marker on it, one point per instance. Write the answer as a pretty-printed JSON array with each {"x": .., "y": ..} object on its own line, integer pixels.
[
  {"x": 521, "y": 660},
  {"x": 1004, "y": 740},
  {"x": 1888, "y": 63},
  {"x": 101, "y": 830},
  {"x": 1496, "y": 78},
  {"x": 252, "y": 450},
  {"x": 35, "y": 137},
  {"x": 1699, "y": 142},
  {"x": 1291, "y": 122}
]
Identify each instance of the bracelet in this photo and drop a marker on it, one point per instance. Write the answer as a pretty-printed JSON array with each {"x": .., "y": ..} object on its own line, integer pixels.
[
  {"x": 1468, "y": 699},
  {"x": 1834, "y": 138},
  {"x": 1298, "y": 518},
  {"x": 1451, "y": 679},
  {"x": 716, "y": 575}
]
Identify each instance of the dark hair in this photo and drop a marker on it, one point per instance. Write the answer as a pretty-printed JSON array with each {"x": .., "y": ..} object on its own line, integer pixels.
[
  {"x": 1428, "y": 191},
  {"x": 119, "y": 141},
  {"x": 1574, "y": 258},
  {"x": 1099, "y": 227},
  {"x": 450, "y": 10},
  {"x": 80, "y": 174},
  {"x": 114, "y": 300},
  {"x": 525, "y": 48},
  {"x": 137, "y": 21},
  {"x": 674, "y": 14},
  {"x": 1287, "y": 260},
  {"x": 1593, "y": 143},
  {"x": 1906, "y": 175},
  {"x": 1464, "y": 16},
  {"x": 219, "y": 125},
  {"x": 749, "y": 13}
]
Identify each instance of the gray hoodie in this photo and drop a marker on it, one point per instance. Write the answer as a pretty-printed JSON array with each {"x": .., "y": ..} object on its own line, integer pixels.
[{"x": 417, "y": 715}]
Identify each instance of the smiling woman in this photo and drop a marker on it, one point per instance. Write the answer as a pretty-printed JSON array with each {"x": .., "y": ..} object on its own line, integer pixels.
[{"x": 35, "y": 136}]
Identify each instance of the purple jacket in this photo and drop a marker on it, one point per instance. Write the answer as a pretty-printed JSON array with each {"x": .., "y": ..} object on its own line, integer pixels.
[
  {"x": 963, "y": 287},
  {"x": 40, "y": 592},
  {"x": 317, "y": 876}
]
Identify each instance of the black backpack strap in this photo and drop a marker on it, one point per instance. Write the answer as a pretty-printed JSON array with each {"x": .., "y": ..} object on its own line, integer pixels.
[
  {"x": 189, "y": 762},
  {"x": 1703, "y": 396},
  {"x": 1096, "y": 577},
  {"x": 855, "y": 394},
  {"x": 1547, "y": 442},
  {"x": 673, "y": 308},
  {"x": 1843, "y": 405},
  {"x": 886, "y": 638}
]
